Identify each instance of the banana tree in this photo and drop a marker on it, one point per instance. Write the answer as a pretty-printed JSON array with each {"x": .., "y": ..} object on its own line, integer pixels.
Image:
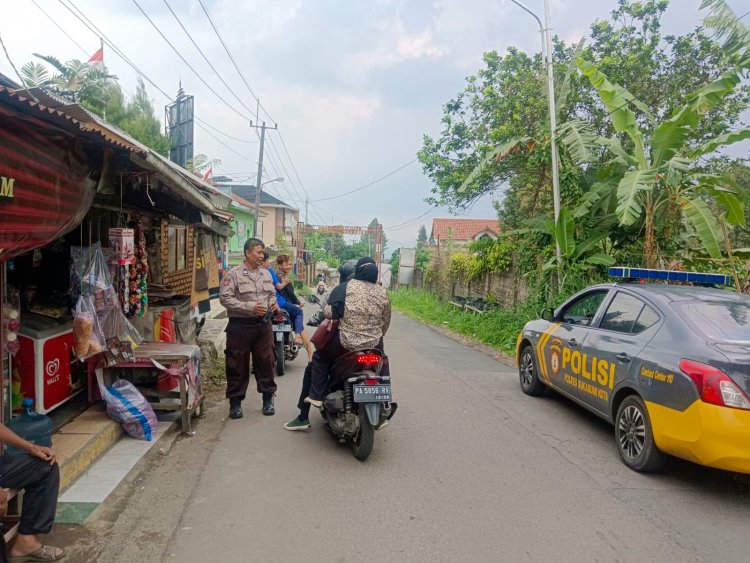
[{"x": 656, "y": 179}]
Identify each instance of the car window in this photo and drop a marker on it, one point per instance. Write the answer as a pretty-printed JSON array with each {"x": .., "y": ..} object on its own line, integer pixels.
[
  {"x": 583, "y": 310},
  {"x": 722, "y": 320},
  {"x": 622, "y": 313},
  {"x": 646, "y": 319}
]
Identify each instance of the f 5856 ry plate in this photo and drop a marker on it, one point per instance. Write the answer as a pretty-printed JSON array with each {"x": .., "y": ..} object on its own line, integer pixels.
[
  {"x": 282, "y": 328},
  {"x": 372, "y": 393}
]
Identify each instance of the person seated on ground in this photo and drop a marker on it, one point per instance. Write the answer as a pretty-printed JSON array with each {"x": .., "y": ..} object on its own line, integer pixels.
[
  {"x": 293, "y": 304},
  {"x": 363, "y": 310},
  {"x": 37, "y": 473}
]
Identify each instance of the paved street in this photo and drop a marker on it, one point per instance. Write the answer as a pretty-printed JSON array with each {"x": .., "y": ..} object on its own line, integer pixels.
[{"x": 469, "y": 470}]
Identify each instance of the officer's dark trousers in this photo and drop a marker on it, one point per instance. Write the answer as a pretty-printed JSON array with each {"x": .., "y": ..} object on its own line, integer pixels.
[
  {"x": 243, "y": 340},
  {"x": 41, "y": 484}
]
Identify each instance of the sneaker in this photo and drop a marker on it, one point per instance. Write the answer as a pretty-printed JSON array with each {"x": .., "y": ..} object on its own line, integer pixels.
[
  {"x": 314, "y": 402},
  {"x": 297, "y": 424}
]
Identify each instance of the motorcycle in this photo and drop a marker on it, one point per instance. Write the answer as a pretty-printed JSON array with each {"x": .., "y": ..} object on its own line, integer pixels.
[
  {"x": 285, "y": 346},
  {"x": 359, "y": 400}
]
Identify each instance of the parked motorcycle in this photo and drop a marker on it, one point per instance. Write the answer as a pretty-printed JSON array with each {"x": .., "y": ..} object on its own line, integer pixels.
[
  {"x": 359, "y": 400},
  {"x": 285, "y": 346}
]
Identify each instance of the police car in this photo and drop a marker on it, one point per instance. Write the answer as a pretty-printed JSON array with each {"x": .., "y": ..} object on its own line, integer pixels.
[{"x": 668, "y": 365}]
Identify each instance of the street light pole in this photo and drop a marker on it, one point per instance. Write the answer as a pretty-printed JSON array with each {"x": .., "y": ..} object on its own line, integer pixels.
[{"x": 545, "y": 31}]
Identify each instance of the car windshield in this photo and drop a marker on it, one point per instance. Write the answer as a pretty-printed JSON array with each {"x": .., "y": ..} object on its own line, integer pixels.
[{"x": 720, "y": 320}]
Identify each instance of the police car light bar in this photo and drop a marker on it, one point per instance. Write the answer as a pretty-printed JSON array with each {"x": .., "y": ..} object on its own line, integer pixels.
[{"x": 670, "y": 275}]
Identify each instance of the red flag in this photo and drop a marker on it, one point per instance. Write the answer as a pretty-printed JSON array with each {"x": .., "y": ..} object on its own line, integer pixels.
[
  {"x": 97, "y": 60},
  {"x": 208, "y": 174}
]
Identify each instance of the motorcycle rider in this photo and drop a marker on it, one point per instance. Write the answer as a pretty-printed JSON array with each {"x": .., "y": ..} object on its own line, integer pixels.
[
  {"x": 293, "y": 304},
  {"x": 302, "y": 422},
  {"x": 364, "y": 311}
]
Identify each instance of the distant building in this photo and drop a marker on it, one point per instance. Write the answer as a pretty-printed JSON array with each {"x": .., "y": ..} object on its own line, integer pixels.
[
  {"x": 276, "y": 216},
  {"x": 463, "y": 232}
]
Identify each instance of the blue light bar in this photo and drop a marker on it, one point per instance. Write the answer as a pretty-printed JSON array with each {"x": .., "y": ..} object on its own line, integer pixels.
[{"x": 670, "y": 275}]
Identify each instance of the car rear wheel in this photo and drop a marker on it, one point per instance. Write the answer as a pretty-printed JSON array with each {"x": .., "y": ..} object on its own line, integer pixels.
[
  {"x": 527, "y": 374},
  {"x": 635, "y": 439}
]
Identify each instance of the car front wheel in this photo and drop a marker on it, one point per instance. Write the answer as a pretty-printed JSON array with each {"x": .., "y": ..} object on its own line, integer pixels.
[
  {"x": 635, "y": 439},
  {"x": 528, "y": 375}
]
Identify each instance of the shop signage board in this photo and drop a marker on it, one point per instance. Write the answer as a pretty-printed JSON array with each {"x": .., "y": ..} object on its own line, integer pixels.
[{"x": 46, "y": 184}]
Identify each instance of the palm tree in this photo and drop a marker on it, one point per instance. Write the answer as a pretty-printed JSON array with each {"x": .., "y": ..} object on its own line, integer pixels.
[{"x": 74, "y": 80}]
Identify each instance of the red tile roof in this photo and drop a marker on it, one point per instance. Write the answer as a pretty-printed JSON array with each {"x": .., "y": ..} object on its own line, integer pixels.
[{"x": 462, "y": 229}]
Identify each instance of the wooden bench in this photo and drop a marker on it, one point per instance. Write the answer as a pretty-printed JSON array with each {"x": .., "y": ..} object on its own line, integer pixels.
[{"x": 12, "y": 518}]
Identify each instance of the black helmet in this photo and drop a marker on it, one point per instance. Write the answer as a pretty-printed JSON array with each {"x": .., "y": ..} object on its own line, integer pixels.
[{"x": 347, "y": 269}]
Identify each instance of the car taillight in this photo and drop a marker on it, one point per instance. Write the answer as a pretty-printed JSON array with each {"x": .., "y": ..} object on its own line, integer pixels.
[
  {"x": 715, "y": 386},
  {"x": 368, "y": 360}
]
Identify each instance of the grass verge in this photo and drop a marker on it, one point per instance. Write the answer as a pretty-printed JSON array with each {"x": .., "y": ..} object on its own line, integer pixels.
[{"x": 498, "y": 328}]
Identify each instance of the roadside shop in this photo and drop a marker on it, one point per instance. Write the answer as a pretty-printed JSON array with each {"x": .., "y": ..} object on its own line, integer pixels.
[{"x": 105, "y": 248}]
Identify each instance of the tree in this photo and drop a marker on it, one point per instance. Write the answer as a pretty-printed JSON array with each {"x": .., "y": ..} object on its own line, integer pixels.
[
  {"x": 141, "y": 122},
  {"x": 496, "y": 133},
  {"x": 422, "y": 237},
  {"x": 74, "y": 80}
]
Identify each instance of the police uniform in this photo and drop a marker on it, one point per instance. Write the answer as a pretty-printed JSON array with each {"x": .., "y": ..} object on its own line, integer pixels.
[{"x": 241, "y": 289}]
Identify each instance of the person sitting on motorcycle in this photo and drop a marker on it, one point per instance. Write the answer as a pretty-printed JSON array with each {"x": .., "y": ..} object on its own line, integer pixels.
[
  {"x": 363, "y": 310},
  {"x": 346, "y": 273},
  {"x": 293, "y": 305}
]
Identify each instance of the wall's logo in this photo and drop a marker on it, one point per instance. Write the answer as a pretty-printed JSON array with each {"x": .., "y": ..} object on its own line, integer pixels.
[
  {"x": 52, "y": 367},
  {"x": 6, "y": 187}
]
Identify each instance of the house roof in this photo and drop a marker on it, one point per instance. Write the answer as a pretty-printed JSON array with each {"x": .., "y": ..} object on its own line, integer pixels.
[
  {"x": 247, "y": 191},
  {"x": 462, "y": 229}
]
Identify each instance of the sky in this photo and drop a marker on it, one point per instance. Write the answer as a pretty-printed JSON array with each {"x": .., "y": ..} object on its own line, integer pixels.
[{"x": 353, "y": 85}]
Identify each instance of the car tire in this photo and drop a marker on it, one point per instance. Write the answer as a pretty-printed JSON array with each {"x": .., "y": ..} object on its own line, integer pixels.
[
  {"x": 635, "y": 439},
  {"x": 528, "y": 376}
]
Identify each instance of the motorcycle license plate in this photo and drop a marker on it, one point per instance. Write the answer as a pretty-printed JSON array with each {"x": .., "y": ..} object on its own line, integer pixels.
[
  {"x": 372, "y": 393},
  {"x": 282, "y": 328}
]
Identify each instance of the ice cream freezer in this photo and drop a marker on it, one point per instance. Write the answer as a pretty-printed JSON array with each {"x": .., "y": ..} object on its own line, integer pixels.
[{"x": 45, "y": 362}]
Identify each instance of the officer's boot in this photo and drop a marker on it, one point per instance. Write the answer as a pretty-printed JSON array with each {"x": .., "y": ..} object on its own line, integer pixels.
[
  {"x": 268, "y": 404},
  {"x": 235, "y": 407}
]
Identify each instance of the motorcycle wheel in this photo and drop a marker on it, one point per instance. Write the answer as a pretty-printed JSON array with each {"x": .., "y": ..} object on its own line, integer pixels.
[
  {"x": 280, "y": 357},
  {"x": 363, "y": 442}
]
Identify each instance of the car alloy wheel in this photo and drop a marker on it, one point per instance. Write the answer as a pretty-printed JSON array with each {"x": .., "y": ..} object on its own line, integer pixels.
[
  {"x": 632, "y": 432},
  {"x": 527, "y": 374}
]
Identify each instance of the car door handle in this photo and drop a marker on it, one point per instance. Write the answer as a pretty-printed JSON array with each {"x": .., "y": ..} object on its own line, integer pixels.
[
  {"x": 623, "y": 357},
  {"x": 572, "y": 342}
]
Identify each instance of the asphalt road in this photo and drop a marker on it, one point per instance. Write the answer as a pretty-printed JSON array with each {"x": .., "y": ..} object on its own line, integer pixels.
[{"x": 470, "y": 469}]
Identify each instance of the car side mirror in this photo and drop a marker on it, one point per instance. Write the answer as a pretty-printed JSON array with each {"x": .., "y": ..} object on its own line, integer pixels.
[{"x": 548, "y": 313}]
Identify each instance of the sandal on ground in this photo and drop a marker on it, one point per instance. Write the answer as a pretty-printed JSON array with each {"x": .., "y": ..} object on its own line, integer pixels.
[{"x": 43, "y": 553}]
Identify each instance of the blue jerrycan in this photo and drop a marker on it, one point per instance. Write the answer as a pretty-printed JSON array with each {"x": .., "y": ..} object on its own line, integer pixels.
[{"x": 31, "y": 426}]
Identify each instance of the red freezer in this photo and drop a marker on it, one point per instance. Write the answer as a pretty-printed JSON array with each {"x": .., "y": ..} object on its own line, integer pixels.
[{"x": 44, "y": 362}]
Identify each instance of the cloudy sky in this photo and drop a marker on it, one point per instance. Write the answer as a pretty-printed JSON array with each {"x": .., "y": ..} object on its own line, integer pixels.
[{"x": 352, "y": 84}]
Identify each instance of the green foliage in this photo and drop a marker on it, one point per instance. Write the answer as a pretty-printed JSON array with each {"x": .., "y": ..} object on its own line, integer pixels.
[{"x": 496, "y": 327}]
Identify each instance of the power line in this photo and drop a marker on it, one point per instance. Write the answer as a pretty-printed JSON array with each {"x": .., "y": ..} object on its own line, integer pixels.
[
  {"x": 226, "y": 134},
  {"x": 21, "y": 82},
  {"x": 236, "y": 66},
  {"x": 177, "y": 52},
  {"x": 205, "y": 58},
  {"x": 96, "y": 31},
  {"x": 370, "y": 184},
  {"x": 59, "y": 27}
]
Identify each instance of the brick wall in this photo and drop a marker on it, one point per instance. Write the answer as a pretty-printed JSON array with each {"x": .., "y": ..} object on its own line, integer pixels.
[{"x": 182, "y": 280}]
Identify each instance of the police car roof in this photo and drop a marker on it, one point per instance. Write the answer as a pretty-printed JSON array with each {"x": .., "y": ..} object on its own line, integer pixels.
[{"x": 671, "y": 292}]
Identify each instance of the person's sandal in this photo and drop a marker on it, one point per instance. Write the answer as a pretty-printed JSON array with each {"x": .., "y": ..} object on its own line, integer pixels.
[{"x": 43, "y": 553}]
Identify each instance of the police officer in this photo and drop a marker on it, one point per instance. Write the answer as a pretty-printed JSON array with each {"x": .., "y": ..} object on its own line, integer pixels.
[{"x": 248, "y": 293}]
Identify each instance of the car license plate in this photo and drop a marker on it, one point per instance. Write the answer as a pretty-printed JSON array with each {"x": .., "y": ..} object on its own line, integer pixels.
[
  {"x": 282, "y": 328},
  {"x": 372, "y": 393}
]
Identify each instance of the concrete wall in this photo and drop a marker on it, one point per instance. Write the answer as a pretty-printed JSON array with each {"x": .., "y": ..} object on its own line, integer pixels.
[{"x": 506, "y": 289}]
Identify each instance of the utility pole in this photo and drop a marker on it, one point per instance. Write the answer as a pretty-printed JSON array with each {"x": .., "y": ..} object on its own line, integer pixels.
[
  {"x": 546, "y": 32},
  {"x": 307, "y": 203},
  {"x": 259, "y": 177}
]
